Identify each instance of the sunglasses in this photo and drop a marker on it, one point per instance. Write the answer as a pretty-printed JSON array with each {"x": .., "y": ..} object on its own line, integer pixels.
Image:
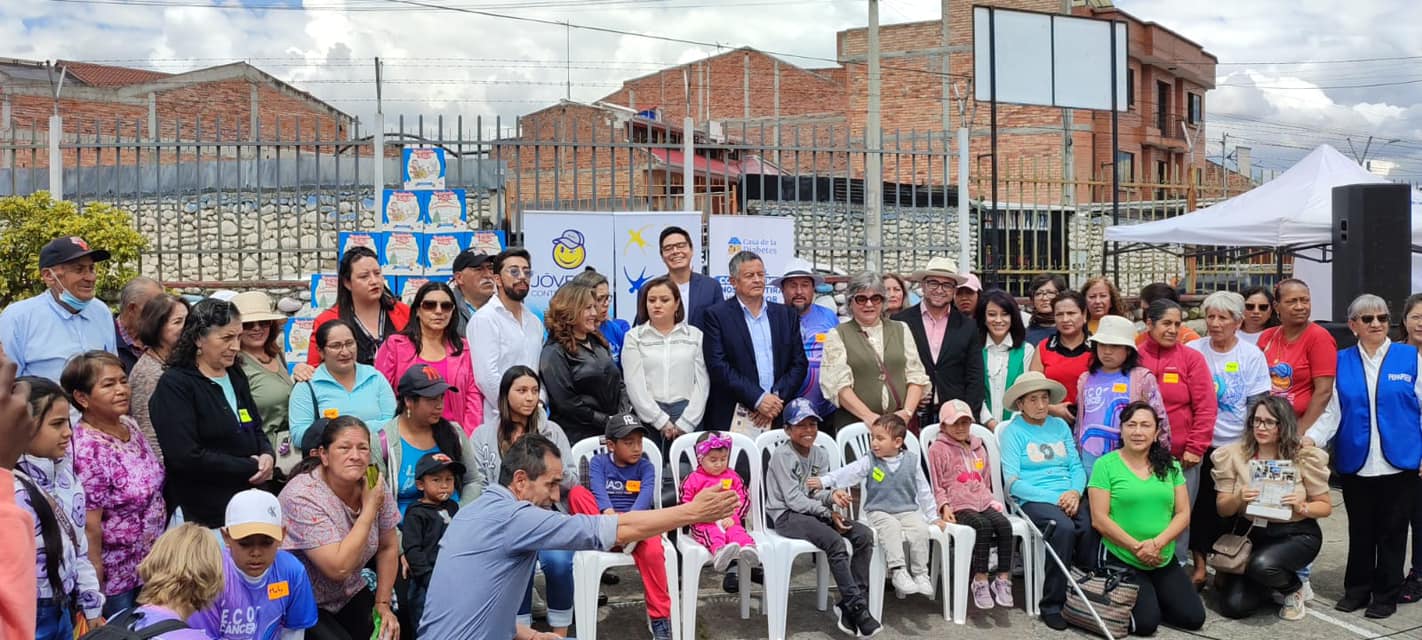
[
  {"x": 1369, "y": 318},
  {"x": 868, "y": 300},
  {"x": 1253, "y": 306},
  {"x": 431, "y": 305}
]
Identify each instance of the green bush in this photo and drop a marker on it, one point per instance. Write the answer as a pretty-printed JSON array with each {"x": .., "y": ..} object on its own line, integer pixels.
[{"x": 27, "y": 223}]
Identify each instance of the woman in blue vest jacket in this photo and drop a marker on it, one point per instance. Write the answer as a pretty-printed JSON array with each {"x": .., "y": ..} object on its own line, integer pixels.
[{"x": 1376, "y": 476}]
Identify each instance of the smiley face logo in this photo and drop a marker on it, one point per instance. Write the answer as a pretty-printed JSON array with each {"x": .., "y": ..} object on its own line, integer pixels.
[{"x": 568, "y": 251}]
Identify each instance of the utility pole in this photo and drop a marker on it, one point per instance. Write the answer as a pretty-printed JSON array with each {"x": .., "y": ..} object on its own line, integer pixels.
[
  {"x": 56, "y": 135},
  {"x": 377, "y": 139},
  {"x": 873, "y": 160},
  {"x": 1224, "y": 172}
]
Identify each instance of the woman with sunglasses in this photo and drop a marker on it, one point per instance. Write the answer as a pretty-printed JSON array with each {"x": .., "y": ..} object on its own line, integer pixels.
[
  {"x": 870, "y": 366},
  {"x": 264, "y": 361},
  {"x": 1377, "y": 396},
  {"x": 365, "y": 303},
  {"x": 1040, "y": 319},
  {"x": 432, "y": 338},
  {"x": 1258, "y": 314}
]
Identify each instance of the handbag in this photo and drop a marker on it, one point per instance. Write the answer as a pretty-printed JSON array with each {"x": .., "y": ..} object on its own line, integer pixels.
[
  {"x": 1231, "y": 551},
  {"x": 1110, "y": 592},
  {"x": 913, "y": 421}
]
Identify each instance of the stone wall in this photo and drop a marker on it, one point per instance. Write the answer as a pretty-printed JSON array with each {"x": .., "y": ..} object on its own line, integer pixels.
[{"x": 831, "y": 234}]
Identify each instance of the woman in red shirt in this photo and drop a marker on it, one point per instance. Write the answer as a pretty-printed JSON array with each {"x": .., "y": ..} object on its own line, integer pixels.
[
  {"x": 1188, "y": 389},
  {"x": 1302, "y": 356},
  {"x": 363, "y": 301},
  {"x": 1065, "y": 356}
]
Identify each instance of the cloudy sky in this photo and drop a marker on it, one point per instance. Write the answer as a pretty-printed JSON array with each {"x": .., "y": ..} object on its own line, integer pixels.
[{"x": 1292, "y": 74}]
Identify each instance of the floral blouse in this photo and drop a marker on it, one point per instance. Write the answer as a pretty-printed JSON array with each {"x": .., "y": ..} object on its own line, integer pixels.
[
  {"x": 124, "y": 480},
  {"x": 66, "y": 496}
]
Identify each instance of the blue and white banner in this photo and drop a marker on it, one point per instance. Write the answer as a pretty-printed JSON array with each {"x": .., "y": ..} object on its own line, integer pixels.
[
  {"x": 639, "y": 256},
  {"x": 562, "y": 245},
  {"x": 770, "y": 237}
]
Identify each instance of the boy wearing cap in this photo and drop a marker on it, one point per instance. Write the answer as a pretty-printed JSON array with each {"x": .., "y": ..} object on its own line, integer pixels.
[
  {"x": 42, "y": 333},
  {"x": 425, "y": 522},
  {"x": 797, "y": 511},
  {"x": 624, "y": 480},
  {"x": 266, "y": 593}
]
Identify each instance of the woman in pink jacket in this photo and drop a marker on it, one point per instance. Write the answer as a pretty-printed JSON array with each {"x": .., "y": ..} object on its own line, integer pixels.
[
  {"x": 1188, "y": 389},
  {"x": 431, "y": 338}
]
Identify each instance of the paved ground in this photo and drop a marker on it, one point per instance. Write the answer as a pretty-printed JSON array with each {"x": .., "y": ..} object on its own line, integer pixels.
[{"x": 719, "y": 614}]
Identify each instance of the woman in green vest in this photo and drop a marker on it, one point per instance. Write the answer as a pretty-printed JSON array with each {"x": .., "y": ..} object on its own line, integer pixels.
[
  {"x": 1006, "y": 352},
  {"x": 870, "y": 365}
]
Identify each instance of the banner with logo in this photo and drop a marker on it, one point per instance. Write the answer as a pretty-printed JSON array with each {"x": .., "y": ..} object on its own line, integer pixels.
[
  {"x": 639, "y": 256},
  {"x": 770, "y": 237},
  {"x": 562, "y": 244}
]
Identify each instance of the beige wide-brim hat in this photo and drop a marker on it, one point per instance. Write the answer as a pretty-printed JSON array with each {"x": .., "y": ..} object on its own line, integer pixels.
[
  {"x": 1114, "y": 330},
  {"x": 1033, "y": 381},
  {"x": 255, "y": 306},
  {"x": 941, "y": 267}
]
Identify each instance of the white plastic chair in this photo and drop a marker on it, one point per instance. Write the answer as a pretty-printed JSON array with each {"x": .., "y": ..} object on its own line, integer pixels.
[
  {"x": 778, "y": 556},
  {"x": 694, "y": 556},
  {"x": 588, "y": 566}
]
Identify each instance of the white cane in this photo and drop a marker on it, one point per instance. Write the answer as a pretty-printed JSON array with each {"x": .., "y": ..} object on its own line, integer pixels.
[{"x": 1060, "y": 565}]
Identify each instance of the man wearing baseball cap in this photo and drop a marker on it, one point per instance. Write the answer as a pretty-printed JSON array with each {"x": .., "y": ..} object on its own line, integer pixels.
[
  {"x": 266, "y": 592},
  {"x": 42, "y": 333},
  {"x": 473, "y": 284}
]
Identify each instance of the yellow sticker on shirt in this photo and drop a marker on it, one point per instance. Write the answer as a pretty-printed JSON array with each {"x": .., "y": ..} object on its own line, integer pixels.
[
  {"x": 819, "y": 337},
  {"x": 1119, "y": 387},
  {"x": 1231, "y": 367},
  {"x": 243, "y": 415},
  {"x": 634, "y": 486},
  {"x": 1170, "y": 378},
  {"x": 725, "y": 483},
  {"x": 278, "y": 590},
  {"x": 878, "y": 474}
]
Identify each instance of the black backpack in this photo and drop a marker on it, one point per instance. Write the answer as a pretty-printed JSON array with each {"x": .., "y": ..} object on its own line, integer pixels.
[{"x": 121, "y": 628}]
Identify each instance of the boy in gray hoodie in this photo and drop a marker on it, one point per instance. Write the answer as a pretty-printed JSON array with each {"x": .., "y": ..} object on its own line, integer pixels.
[{"x": 795, "y": 510}]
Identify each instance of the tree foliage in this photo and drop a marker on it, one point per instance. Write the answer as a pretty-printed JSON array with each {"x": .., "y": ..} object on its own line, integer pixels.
[{"x": 28, "y": 222}]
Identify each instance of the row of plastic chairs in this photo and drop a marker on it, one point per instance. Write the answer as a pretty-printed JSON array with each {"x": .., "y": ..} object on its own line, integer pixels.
[{"x": 953, "y": 547}]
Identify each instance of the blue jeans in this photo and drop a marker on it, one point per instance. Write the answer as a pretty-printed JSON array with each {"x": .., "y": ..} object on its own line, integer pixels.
[
  {"x": 558, "y": 574},
  {"x": 120, "y": 602},
  {"x": 53, "y": 622}
]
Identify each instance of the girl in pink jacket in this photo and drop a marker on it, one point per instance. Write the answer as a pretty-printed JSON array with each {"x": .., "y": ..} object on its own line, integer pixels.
[
  {"x": 726, "y": 539},
  {"x": 431, "y": 338},
  {"x": 962, "y": 484}
]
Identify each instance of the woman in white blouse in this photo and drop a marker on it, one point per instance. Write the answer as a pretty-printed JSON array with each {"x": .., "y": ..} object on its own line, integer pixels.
[
  {"x": 662, "y": 363},
  {"x": 1006, "y": 353}
]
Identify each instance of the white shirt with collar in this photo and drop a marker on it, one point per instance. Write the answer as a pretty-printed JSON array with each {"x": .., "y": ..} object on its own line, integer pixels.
[
  {"x": 1326, "y": 427},
  {"x": 500, "y": 341}
]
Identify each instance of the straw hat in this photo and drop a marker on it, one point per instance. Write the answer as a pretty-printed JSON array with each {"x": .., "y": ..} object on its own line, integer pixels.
[
  {"x": 1033, "y": 381},
  {"x": 941, "y": 267},
  {"x": 255, "y": 306},
  {"x": 1114, "y": 330}
]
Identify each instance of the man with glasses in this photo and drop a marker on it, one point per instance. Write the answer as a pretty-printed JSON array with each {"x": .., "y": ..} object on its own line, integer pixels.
[
  {"x": 474, "y": 283},
  {"x": 698, "y": 292},
  {"x": 949, "y": 345},
  {"x": 753, "y": 353},
  {"x": 504, "y": 333},
  {"x": 42, "y": 333}
]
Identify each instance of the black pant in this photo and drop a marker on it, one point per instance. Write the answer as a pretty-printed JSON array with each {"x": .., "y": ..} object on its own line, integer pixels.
[
  {"x": 1166, "y": 595},
  {"x": 352, "y": 622},
  {"x": 1074, "y": 542},
  {"x": 851, "y": 574},
  {"x": 992, "y": 528},
  {"x": 1206, "y": 525},
  {"x": 1280, "y": 551},
  {"x": 1379, "y": 509}
]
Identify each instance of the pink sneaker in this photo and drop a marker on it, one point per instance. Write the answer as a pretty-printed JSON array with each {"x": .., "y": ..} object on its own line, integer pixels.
[
  {"x": 1002, "y": 592},
  {"x": 982, "y": 594}
]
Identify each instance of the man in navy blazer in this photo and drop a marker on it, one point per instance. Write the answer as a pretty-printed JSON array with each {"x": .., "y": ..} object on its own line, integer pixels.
[
  {"x": 754, "y": 354},
  {"x": 698, "y": 292}
]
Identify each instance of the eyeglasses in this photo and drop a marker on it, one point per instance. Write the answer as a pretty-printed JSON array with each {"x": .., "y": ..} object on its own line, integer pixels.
[
  {"x": 431, "y": 305},
  {"x": 868, "y": 300},
  {"x": 338, "y": 347},
  {"x": 519, "y": 272},
  {"x": 1369, "y": 318},
  {"x": 1252, "y": 306},
  {"x": 1045, "y": 293},
  {"x": 939, "y": 285},
  {"x": 676, "y": 246},
  {"x": 1264, "y": 423}
]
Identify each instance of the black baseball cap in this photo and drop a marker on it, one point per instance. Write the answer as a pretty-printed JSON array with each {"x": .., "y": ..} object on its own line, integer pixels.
[
  {"x": 436, "y": 462},
  {"x": 471, "y": 259},
  {"x": 311, "y": 438},
  {"x": 68, "y": 249},
  {"x": 621, "y": 425},
  {"x": 423, "y": 381}
]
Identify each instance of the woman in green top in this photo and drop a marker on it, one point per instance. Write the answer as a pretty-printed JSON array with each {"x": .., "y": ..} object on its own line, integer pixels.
[
  {"x": 1139, "y": 505},
  {"x": 263, "y": 360}
]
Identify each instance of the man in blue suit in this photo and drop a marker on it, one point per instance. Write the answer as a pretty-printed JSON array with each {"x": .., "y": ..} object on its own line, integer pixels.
[
  {"x": 698, "y": 292},
  {"x": 754, "y": 355}
]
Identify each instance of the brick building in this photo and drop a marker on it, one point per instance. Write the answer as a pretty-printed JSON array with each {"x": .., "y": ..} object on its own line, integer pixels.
[{"x": 101, "y": 103}]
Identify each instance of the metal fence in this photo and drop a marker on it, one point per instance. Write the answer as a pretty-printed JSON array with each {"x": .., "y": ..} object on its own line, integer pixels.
[{"x": 222, "y": 206}]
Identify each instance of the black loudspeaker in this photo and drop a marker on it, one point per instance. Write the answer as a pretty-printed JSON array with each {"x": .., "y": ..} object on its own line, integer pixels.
[{"x": 1372, "y": 245}]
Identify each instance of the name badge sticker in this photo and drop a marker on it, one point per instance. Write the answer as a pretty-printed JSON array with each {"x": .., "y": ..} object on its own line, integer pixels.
[
  {"x": 278, "y": 590},
  {"x": 1231, "y": 367},
  {"x": 634, "y": 486},
  {"x": 878, "y": 475},
  {"x": 244, "y": 415},
  {"x": 725, "y": 483},
  {"x": 1119, "y": 387},
  {"x": 1171, "y": 378}
]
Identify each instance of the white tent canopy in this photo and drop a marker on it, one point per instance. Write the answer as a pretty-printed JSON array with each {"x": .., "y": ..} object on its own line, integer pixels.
[{"x": 1293, "y": 210}]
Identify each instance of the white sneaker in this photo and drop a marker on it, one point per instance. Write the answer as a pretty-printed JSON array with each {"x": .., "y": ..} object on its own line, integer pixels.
[
  {"x": 903, "y": 583},
  {"x": 1306, "y": 591},
  {"x": 925, "y": 585},
  {"x": 749, "y": 556},
  {"x": 725, "y": 556},
  {"x": 1294, "y": 608},
  {"x": 629, "y": 547}
]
